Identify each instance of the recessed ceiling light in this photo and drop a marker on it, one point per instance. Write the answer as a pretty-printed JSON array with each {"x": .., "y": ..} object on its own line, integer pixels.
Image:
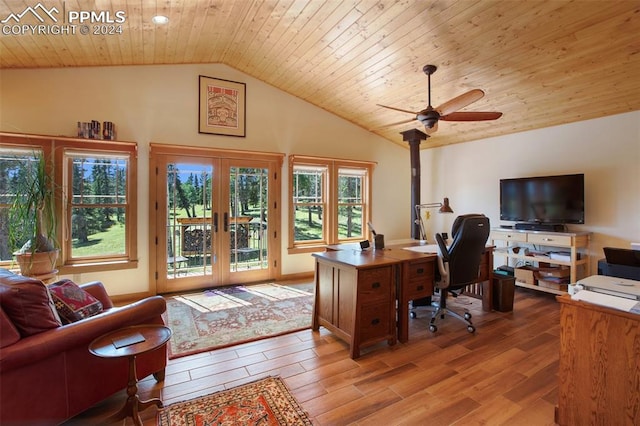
[{"x": 159, "y": 19}]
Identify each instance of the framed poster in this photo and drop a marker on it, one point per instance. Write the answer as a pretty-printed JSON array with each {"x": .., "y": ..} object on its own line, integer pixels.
[{"x": 222, "y": 107}]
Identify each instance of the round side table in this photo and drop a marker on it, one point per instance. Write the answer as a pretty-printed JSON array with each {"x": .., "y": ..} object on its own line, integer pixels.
[{"x": 129, "y": 342}]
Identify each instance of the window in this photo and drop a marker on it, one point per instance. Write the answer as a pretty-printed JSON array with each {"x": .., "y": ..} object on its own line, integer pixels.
[
  {"x": 309, "y": 201},
  {"x": 330, "y": 201},
  {"x": 98, "y": 206},
  {"x": 96, "y": 209},
  {"x": 16, "y": 163},
  {"x": 351, "y": 204}
]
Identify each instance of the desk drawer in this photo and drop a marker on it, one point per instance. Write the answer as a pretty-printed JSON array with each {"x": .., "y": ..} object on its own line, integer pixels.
[
  {"x": 375, "y": 284},
  {"x": 509, "y": 236},
  {"x": 421, "y": 270},
  {"x": 375, "y": 322},
  {"x": 417, "y": 289},
  {"x": 550, "y": 239}
]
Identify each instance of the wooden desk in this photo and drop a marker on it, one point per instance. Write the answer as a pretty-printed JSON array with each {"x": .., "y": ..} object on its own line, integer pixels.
[
  {"x": 355, "y": 297},
  {"x": 356, "y": 292},
  {"x": 414, "y": 274},
  {"x": 599, "y": 374}
]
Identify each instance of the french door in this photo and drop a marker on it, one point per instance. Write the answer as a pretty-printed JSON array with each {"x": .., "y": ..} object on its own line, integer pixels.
[{"x": 216, "y": 219}]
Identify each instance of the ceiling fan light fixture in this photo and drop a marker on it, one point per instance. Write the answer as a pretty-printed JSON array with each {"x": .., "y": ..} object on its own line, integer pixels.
[
  {"x": 428, "y": 118},
  {"x": 160, "y": 20},
  {"x": 429, "y": 123}
]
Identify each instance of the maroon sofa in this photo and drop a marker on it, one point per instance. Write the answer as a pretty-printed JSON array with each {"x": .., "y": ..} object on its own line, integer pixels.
[{"x": 47, "y": 374}]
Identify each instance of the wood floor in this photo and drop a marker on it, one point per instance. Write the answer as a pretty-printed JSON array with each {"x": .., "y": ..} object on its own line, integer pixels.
[{"x": 504, "y": 374}]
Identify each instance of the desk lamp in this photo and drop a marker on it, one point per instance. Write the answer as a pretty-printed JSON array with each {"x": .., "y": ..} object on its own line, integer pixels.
[{"x": 444, "y": 207}]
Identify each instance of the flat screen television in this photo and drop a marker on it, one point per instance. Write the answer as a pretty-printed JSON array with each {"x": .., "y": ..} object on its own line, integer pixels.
[{"x": 543, "y": 199}]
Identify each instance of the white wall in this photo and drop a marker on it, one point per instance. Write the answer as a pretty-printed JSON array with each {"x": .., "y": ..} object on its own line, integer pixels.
[
  {"x": 606, "y": 150},
  {"x": 160, "y": 104}
]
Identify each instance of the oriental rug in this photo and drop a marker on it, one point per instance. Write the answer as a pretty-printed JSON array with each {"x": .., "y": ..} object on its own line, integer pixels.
[
  {"x": 228, "y": 316},
  {"x": 265, "y": 402}
]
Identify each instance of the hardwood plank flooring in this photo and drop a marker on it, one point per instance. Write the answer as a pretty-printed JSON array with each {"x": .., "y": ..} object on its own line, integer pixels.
[{"x": 504, "y": 374}]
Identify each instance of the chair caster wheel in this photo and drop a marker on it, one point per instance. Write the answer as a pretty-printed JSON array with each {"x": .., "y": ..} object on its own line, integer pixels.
[
  {"x": 433, "y": 328},
  {"x": 467, "y": 316},
  {"x": 471, "y": 329},
  {"x": 412, "y": 314}
]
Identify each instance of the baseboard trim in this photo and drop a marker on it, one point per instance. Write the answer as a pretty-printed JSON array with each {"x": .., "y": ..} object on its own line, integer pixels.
[{"x": 301, "y": 276}]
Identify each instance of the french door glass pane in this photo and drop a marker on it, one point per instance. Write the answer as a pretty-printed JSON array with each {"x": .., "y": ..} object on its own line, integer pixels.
[
  {"x": 248, "y": 222},
  {"x": 189, "y": 225}
]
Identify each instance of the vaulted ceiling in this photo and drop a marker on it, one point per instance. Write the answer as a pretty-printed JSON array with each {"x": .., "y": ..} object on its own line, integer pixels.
[{"x": 541, "y": 63}]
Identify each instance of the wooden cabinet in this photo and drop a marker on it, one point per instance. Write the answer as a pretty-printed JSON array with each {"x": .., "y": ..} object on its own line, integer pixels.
[
  {"x": 576, "y": 245},
  {"x": 355, "y": 297},
  {"x": 599, "y": 374}
]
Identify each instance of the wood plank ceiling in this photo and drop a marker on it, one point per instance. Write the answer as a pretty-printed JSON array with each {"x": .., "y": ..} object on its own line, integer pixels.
[{"x": 541, "y": 63}]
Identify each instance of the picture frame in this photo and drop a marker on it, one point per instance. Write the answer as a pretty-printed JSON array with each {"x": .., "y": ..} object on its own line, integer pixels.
[{"x": 222, "y": 107}]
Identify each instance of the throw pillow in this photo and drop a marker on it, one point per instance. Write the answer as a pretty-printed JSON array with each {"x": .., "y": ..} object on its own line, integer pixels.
[
  {"x": 72, "y": 302},
  {"x": 26, "y": 302}
]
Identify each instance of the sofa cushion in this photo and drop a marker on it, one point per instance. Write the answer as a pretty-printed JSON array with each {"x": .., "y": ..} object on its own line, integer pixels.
[
  {"x": 72, "y": 302},
  {"x": 8, "y": 332},
  {"x": 27, "y": 303}
]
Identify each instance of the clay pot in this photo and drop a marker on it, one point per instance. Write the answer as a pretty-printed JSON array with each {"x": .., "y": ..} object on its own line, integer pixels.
[{"x": 38, "y": 263}]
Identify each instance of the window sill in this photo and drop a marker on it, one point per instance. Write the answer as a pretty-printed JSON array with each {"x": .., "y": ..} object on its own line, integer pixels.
[
  {"x": 98, "y": 267},
  {"x": 307, "y": 249}
]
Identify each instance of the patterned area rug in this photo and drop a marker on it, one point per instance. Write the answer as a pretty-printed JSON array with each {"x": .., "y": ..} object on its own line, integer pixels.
[
  {"x": 264, "y": 402},
  {"x": 228, "y": 316}
]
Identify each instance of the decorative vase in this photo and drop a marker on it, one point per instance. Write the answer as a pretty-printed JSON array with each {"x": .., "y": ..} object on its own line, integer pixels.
[{"x": 38, "y": 263}]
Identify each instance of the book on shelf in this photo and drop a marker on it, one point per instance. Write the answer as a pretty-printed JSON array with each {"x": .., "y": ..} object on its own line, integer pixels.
[{"x": 562, "y": 255}]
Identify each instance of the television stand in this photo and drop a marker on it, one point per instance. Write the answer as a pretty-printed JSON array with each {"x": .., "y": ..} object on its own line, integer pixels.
[
  {"x": 576, "y": 244},
  {"x": 544, "y": 227}
]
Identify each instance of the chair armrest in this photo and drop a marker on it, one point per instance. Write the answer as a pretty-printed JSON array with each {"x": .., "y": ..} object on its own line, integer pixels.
[
  {"x": 79, "y": 334},
  {"x": 442, "y": 245},
  {"x": 97, "y": 290}
]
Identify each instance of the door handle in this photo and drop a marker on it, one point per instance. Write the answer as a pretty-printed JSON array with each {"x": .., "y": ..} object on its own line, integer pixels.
[
  {"x": 226, "y": 222},
  {"x": 215, "y": 222}
]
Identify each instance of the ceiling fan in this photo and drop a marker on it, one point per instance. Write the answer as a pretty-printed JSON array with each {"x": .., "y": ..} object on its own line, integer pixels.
[{"x": 448, "y": 111}]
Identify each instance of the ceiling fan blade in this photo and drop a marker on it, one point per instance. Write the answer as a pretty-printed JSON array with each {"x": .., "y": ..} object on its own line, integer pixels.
[
  {"x": 398, "y": 109},
  {"x": 471, "y": 116},
  {"x": 393, "y": 124},
  {"x": 460, "y": 102}
]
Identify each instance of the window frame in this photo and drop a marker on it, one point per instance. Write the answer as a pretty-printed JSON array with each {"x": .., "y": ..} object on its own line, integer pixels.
[
  {"x": 330, "y": 220},
  {"x": 59, "y": 146}
]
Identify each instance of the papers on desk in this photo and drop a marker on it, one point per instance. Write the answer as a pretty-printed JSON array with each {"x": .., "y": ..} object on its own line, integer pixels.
[
  {"x": 427, "y": 248},
  {"x": 620, "y": 303}
]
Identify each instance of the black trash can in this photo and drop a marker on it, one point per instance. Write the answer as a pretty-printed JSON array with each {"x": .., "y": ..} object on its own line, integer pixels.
[{"x": 503, "y": 290}]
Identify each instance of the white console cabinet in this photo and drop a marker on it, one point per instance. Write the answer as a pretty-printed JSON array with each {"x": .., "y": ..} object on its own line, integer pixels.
[{"x": 576, "y": 244}]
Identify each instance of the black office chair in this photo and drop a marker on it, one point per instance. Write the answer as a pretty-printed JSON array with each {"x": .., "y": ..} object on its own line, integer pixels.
[{"x": 459, "y": 264}]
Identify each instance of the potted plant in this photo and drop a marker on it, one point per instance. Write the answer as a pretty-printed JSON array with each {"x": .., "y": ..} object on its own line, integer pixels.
[{"x": 32, "y": 218}]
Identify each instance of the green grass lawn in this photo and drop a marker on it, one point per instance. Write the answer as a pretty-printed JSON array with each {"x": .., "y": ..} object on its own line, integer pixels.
[
  {"x": 111, "y": 242},
  {"x": 106, "y": 243}
]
